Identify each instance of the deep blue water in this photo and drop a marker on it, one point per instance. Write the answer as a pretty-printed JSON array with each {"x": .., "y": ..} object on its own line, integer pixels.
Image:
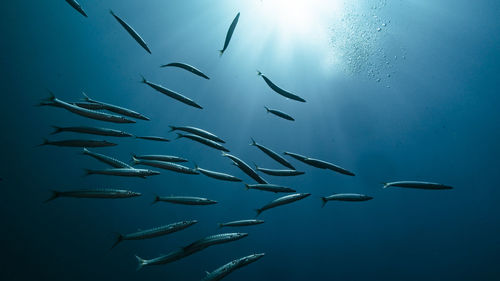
[{"x": 435, "y": 118}]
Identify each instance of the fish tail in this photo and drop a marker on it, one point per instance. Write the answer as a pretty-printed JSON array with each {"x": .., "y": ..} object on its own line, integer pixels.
[
  {"x": 135, "y": 161},
  {"x": 179, "y": 135},
  {"x": 88, "y": 172},
  {"x": 85, "y": 151},
  {"x": 172, "y": 128},
  {"x": 221, "y": 225},
  {"x": 111, "y": 12},
  {"x": 259, "y": 211},
  {"x": 267, "y": 109},
  {"x": 323, "y": 201},
  {"x": 221, "y": 52},
  {"x": 143, "y": 79},
  {"x": 157, "y": 199},
  {"x": 45, "y": 142},
  {"x": 253, "y": 141},
  {"x": 141, "y": 262},
  {"x": 247, "y": 187},
  {"x": 386, "y": 185},
  {"x": 119, "y": 238},
  {"x": 259, "y": 73},
  {"x": 55, "y": 194},
  {"x": 56, "y": 130},
  {"x": 195, "y": 166},
  {"x": 49, "y": 100}
]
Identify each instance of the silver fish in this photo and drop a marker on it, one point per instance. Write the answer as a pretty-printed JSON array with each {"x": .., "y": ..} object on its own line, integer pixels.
[
  {"x": 53, "y": 101},
  {"x": 241, "y": 223},
  {"x": 115, "y": 163},
  {"x": 228, "y": 268},
  {"x": 105, "y": 193},
  {"x": 326, "y": 165},
  {"x": 296, "y": 156},
  {"x": 115, "y": 108},
  {"x": 124, "y": 172},
  {"x": 91, "y": 131},
  {"x": 203, "y": 140},
  {"x": 184, "y": 200},
  {"x": 164, "y": 158},
  {"x": 282, "y": 173},
  {"x": 273, "y": 155},
  {"x": 171, "y": 93},
  {"x": 282, "y": 201},
  {"x": 77, "y": 7},
  {"x": 187, "y": 67},
  {"x": 197, "y": 131},
  {"x": 417, "y": 184},
  {"x": 132, "y": 32},
  {"x": 89, "y": 105},
  {"x": 153, "y": 138},
  {"x": 279, "y": 90},
  {"x": 165, "y": 165},
  {"x": 229, "y": 33},
  {"x": 245, "y": 168},
  {"x": 154, "y": 232},
  {"x": 217, "y": 175},
  {"x": 78, "y": 143},
  {"x": 353, "y": 197},
  {"x": 270, "y": 187},
  {"x": 279, "y": 113}
]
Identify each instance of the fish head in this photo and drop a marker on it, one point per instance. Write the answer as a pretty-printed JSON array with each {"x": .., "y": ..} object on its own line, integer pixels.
[
  {"x": 238, "y": 235},
  {"x": 133, "y": 193},
  {"x": 152, "y": 173},
  {"x": 125, "y": 120},
  {"x": 189, "y": 223}
]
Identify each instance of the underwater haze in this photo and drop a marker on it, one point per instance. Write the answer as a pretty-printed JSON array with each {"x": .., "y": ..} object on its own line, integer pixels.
[{"x": 394, "y": 90}]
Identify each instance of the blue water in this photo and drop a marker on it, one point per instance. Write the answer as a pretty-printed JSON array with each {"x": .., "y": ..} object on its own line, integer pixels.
[{"x": 435, "y": 118}]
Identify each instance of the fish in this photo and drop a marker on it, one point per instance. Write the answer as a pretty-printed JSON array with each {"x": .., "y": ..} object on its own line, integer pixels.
[
  {"x": 89, "y": 105},
  {"x": 184, "y": 200},
  {"x": 353, "y": 197},
  {"x": 245, "y": 168},
  {"x": 171, "y": 93},
  {"x": 165, "y": 165},
  {"x": 273, "y": 155},
  {"x": 270, "y": 187},
  {"x": 282, "y": 173},
  {"x": 91, "y": 131},
  {"x": 229, "y": 33},
  {"x": 197, "y": 131},
  {"x": 190, "y": 249},
  {"x": 132, "y": 32},
  {"x": 164, "y": 158},
  {"x": 326, "y": 165},
  {"x": 279, "y": 113},
  {"x": 115, "y": 108},
  {"x": 105, "y": 193},
  {"x": 106, "y": 159},
  {"x": 124, "y": 172},
  {"x": 187, "y": 67},
  {"x": 217, "y": 175},
  {"x": 153, "y": 138},
  {"x": 279, "y": 90},
  {"x": 296, "y": 156},
  {"x": 78, "y": 143},
  {"x": 417, "y": 184},
  {"x": 154, "y": 232},
  {"x": 101, "y": 116},
  {"x": 228, "y": 268},
  {"x": 203, "y": 140},
  {"x": 77, "y": 7},
  {"x": 287, "y": 199},
  {"x": 241, "y": 223}
]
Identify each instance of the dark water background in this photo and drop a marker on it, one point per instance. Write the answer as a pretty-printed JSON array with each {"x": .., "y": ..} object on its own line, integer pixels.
[{"x": 435, "y": 119}]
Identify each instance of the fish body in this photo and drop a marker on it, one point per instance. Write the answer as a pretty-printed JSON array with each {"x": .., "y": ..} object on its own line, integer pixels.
[
  {"x": 89, "y": 105},
  {"x": 171, "y": 93},
  {"x": 287, "y": 199},
  {"x": 164, "y": 158},
  {"x": 281, "y": 173},
  {"x": 296, "y": 156},
  {"x": 184, "y": 200},
  {"x": 203, "y": 140},
  {"x": 187, "y": 67},
  {"x": 273, "y": 155},
  {"x": 417, "y": 184},
  {"x": 105, "y": 193},
  {"x": 228, "y": 268},
  {"x": 245, "y": 168},
  {"x": 279, "y": 90},
  {"x": 153, "y": 138},
  {"x": 101, "y": 116},
  {"x": 326, "y": 165},
  {"x": 270, "y": 187},
  {"x": 124, "y": 172},
  {"x": 77, "y": 7},
  {"x": 217, "y": 175},
  {"x": 115, "y": 108},
  {"x": 155, "y": 232},
  {"x": 279, "y": 113},
  {"x": 115, "y": 163},
  {"x": 229, "y": 33},
  {"x": 132, "y": 32},
  {"x": 165, "y": 165},
  {"x": 351, "y": 197},
  {"x": 241, "y": 223},
  {"x": 91, "y": 131},
  {"x": 79, "y": 143},
  {"x": 197, "y": 131}
]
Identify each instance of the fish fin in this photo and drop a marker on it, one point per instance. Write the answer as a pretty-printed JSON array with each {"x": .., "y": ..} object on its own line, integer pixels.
[
  {"x": 56, "y": 130},
  {"x": 45, "y": 142},
  {"x": 157, "y": 199},
  {"x": 119, "y": 238},
  {"x": 253, "y": 141},
  {"x": 85, "y": 151},
  {"x": 386, "y": 185},
  {"x": 49, "y": 100},
  {"x": 259, "y": 211},
  {"x": 111, "y": 12},
  {"x": 141, "y": 262},
  {"x": 323, "y": 201},
  {"x": 85, "y": 97},
  {"x": 55, "y": 194},
  {"x": 259, "y": 73},
  {"x": 221, "y": 52},
  {"x": 195, "y": 166},
  {"x": 256, "y": 167},
  {"x": 267, "y": 109}
]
